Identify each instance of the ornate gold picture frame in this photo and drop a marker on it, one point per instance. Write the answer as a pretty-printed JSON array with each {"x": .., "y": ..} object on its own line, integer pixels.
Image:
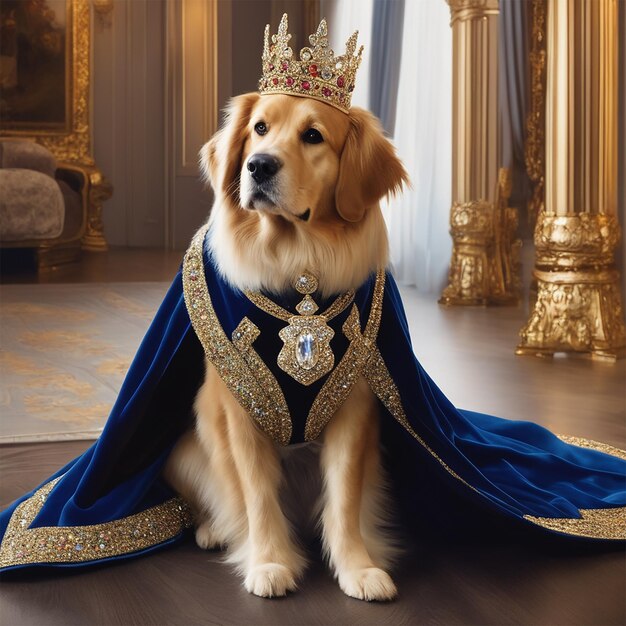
[
  {"x": 70, "y": 139},
  {"x": 58, "y": 41}
]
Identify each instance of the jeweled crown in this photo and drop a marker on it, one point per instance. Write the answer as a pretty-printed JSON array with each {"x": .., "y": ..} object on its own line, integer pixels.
[{"x": 318, "y": 73}]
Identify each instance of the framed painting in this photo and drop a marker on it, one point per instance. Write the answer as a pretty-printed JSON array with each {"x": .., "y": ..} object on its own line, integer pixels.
[{"x": 45, "y": 73}]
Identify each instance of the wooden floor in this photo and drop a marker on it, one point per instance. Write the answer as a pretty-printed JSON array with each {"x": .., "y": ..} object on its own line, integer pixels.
[
  {"x": 451, "y": 580},
  {"x": 115, "y": 265}
]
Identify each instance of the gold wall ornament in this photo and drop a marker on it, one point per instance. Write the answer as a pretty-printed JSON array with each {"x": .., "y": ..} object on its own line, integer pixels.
[
  {"x": 103, "y": 9},
  {"x": 70, "y": 142},
  {"x": 578, "y": 306},
  {"x": 484, "y": 264},
  {"x": 536, "y": 120}
]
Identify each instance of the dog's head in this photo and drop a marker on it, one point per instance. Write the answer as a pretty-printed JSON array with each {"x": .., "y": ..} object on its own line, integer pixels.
[
  {"x": 297, "y": 184},
  {"x": 301, "y": 159}
]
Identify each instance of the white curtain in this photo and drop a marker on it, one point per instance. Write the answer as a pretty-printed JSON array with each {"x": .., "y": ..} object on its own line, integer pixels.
[
  {"x": 344, "y": 17},
  {"x": 418, "y": 220}
]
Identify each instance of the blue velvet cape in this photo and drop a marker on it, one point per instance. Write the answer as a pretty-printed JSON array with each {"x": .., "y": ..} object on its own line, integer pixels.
[{"x": 447, "y": 465}]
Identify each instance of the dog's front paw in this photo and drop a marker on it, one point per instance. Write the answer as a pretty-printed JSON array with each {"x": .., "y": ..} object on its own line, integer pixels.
[
  {"x": 270, "y": 580},
  {"x": 370, "y": 583},
  {"x": 206, "y": 537}
]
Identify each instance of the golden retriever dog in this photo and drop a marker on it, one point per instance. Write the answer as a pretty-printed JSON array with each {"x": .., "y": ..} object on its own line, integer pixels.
[{"x": 297, "y": 186}]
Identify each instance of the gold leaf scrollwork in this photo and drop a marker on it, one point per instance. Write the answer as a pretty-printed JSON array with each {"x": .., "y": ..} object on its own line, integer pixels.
[{"x": 577, "y": 240}]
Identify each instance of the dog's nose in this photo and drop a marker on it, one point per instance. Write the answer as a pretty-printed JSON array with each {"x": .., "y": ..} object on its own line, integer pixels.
[{"x": 263, "y": 166}]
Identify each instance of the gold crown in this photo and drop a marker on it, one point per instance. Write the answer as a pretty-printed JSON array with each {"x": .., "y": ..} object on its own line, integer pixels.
[{"x": 317, "y": 74}]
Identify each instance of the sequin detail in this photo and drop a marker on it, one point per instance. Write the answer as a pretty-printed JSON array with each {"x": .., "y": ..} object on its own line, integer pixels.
[
  {"x": 243, "y": 338},
  {"x": 242, "y": 381},
  {"x": 22, "y": 545},
  {"x": 593, "y": 523},
  {"x": 269, "y": 306},
  {"x": 593, "y": 445}
]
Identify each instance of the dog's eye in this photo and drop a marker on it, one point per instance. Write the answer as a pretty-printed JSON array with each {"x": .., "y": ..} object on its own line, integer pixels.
[
  {"x": 312, "y": 136},
  {"x": 260, "y": 128}
]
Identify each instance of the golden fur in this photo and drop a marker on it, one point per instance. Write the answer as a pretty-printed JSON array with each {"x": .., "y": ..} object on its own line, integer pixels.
[{"x": 320, "y": 213}]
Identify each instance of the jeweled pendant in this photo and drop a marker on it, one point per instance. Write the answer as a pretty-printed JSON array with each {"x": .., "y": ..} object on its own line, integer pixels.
[{"x": 306, "y": 354}]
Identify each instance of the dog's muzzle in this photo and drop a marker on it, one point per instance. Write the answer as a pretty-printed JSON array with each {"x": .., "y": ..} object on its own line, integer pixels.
[{"x": 263, "y": 167}]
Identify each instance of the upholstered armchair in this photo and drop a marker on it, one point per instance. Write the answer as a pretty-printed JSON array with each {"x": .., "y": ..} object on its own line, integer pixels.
[{"x": 43, "y": 204}]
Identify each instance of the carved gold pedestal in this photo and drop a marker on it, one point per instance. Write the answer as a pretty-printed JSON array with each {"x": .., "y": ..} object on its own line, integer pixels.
[
  {"x": 485, "y": 267},
  {"x": 578, "y": 306}
]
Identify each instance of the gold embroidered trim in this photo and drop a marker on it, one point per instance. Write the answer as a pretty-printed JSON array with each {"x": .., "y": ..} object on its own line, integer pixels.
[
  {"x": 22, "y": 545},
  {"x": 336, "y": 389},
  {"x": 243, "y": 338},
  {"x": 593, "y": 523},
  {"x": 594, "y": 445},
  {"x": 269, "y": 306},
  {"x": 240, "y": 379}
]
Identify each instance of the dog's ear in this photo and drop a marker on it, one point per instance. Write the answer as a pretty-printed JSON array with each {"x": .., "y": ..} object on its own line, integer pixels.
[
  {"x": 369, "y": 168},
  {"x": 220, "y": 157}
]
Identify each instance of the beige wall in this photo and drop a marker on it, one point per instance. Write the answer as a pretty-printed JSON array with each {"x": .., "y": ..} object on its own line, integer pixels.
[
  {"x": 128, "y": 87},
  {"x": 157, "y": 100}
]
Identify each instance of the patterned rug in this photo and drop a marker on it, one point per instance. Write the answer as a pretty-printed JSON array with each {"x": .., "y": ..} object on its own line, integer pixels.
[{"x": 64, "y": 351}]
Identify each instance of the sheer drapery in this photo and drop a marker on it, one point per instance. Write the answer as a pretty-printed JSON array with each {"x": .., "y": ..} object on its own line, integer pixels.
[
  {"x": 387, "y": 20},
  {"x": 421, "y": 105},
  {"x": 418, "y": 220},
  {"x": 344, "y": 17}
]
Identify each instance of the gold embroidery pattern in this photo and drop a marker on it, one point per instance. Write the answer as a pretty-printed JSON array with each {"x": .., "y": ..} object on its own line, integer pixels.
[
  {"x": 243, "y": 338},
  {"x": 593, "y": 523},
  {"x": 79, "y": 544},
  {"x": 593, "y": 445},
  {"x": 339, "y": 384},
  {"x": 275, "y": 310},
  {"x": 230, "y": 365}
]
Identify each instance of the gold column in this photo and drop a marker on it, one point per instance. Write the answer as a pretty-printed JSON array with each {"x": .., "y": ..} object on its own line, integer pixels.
[
  {"x": 578, "y": 307},
  {"x": 480, "y": 222}
]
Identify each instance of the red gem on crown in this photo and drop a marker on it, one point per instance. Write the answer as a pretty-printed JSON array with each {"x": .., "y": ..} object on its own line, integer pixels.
[
  {"x": 306, "y": 85},
  {"x": 289, "y": 81},
  {"x": 341, "y": 82},
  {"x": 313, "y": 70}
]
